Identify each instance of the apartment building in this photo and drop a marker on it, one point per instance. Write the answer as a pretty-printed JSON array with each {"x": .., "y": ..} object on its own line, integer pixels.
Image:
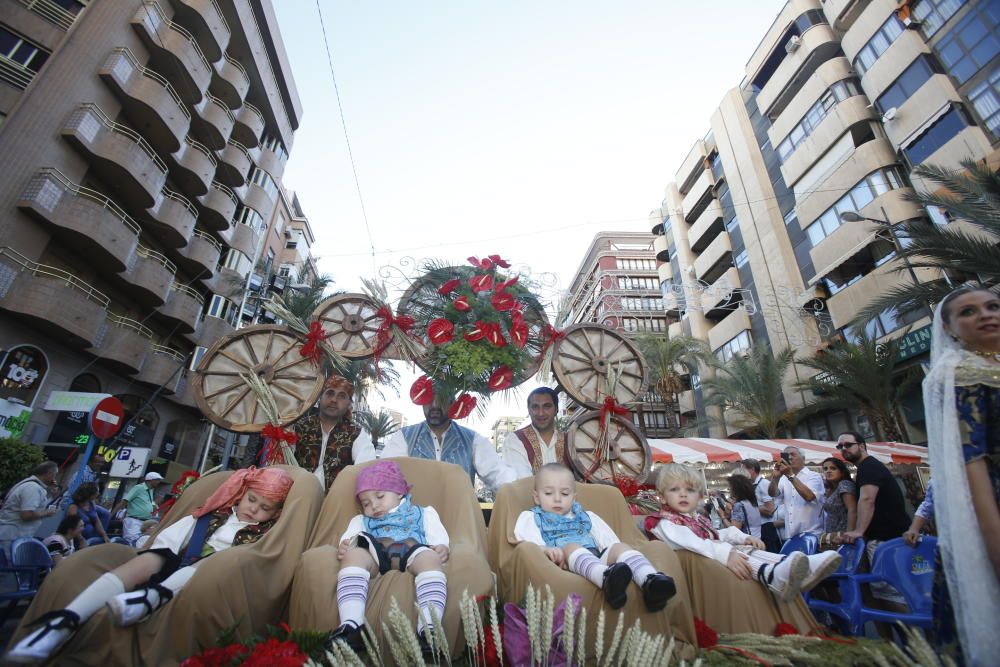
[
  {"x": 144, "y": 143},
  {"x": 617, "y": 285},
  {"x": 761, "y": 230},
  {"x": 503, "y": 426}
]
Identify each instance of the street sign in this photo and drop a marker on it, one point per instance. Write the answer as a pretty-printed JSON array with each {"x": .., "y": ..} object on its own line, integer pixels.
[
  {"x": 107, "y": 417},
  {"x": 73, "y": 401},
  {"x": 130, "y": 463}
]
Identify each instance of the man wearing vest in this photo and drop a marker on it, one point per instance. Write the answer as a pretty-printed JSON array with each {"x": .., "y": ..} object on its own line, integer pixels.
[
  {"x": 440, "y": 439},
  {"x": 528, "y": 449}
]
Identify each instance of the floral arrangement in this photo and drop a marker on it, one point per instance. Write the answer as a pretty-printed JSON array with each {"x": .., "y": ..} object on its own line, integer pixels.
[
  {"x": 279, "y": 647},
  {"x": 641, "y": 498},
  {"x": 187, "y": 478}
]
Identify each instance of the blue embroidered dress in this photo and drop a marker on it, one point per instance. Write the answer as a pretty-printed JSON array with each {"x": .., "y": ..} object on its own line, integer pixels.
[
  {"x": 558, "y": 530},
  {"x": 406, "y": 522}
]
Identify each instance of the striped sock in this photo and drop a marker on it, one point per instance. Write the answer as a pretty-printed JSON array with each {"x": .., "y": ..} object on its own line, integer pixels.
[
  {"x": 639, "y": 564},
  {"x": 352, "y": 594},
  {"x": 432, "y": 593},
  {"x": 587, "y": 565}
]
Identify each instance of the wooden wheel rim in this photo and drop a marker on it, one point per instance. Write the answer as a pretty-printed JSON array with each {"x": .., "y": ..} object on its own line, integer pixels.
[
  {"x": 352, "y": 321},
  {"x": 272, "y": 353},
  {"x": 582, "y": 358},
  {"x": 630, "y": 453}
]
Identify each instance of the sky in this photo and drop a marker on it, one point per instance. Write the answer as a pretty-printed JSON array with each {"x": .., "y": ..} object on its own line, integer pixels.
[{"x": 514, "y": 128}]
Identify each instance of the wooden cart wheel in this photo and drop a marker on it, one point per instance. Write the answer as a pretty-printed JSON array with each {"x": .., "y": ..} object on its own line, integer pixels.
[
  {"x": 629, "y": 453},
  {"x": 272, "y": 353},
  {"x": 352, "y": 320},
  {"x": 582, "y": 359}
]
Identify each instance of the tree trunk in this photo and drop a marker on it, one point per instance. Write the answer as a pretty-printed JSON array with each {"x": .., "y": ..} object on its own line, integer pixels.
[{"x": 672, "y": 421}]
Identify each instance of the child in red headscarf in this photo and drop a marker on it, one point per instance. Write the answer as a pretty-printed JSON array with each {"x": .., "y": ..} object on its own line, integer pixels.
[
  {"x": 240, "y": 511},
  {"x": 391, "y": 533}
]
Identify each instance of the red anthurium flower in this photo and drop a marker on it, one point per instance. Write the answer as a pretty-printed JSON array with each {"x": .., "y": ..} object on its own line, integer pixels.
[
  {"x": 494, "y": 334},
  {"x": 440, "y": 331},
  {"x": 507, "y": 283},
  {"x": 484, "y": 263},
  {"x": 481, "y": 283},
  {"x": 499, "y": 261},
  {"x": 422, "y": 391},
  {"x": 501, "y": 378},
  {"x": 518, "y": 329},
  {"x": 478, "y": 332},
  {"x": 502, "y": 301},
  {"x": 462, "y": 304},
  {"x": 462, "y": 407},
  {"x": 450, "y": 286}
]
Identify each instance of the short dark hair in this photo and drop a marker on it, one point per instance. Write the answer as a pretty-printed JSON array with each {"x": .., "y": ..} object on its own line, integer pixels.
[
  {"x": 966, "y": 289},
  {"x": 751, "y": 464},
  {"x": 742, "y": 489},
  {"x": 85, "y": 491},
  {"x": 45, "y": 468},
  {"x": 69, "y": 523},
  {"x": 860, "y": 439},
  {"x": 548, "y": 391}
]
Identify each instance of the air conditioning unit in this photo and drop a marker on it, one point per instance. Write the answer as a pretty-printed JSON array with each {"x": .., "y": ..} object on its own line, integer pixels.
[
  {"x": 793, "y": 44},
  {"x": 890, "y": 115}
]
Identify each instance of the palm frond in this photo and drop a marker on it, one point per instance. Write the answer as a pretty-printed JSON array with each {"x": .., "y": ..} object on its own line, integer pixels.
[{"x": 904, "y": 298}]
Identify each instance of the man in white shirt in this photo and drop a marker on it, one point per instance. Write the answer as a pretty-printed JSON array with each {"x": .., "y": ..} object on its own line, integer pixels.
[
  {"x": 765, "y": 505},
  {"x": 800, "y": 490},
  {"x": 26, "y": 505},
  {"x": 440, "y": 439},
  {"x": 528, "y": 449}
]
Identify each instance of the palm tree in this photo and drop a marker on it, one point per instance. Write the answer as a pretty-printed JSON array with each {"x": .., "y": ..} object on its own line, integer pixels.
[
  {"x": 972, "y": 195},
  {"x": 749, "y": 387},
  {"x": 669, "y": 359},
  {"x": 302, "y": 301},
  {"x": 379, "y": 425},
  {"x": 367, "y": 374},
  {"x": 861, "y": 376}
]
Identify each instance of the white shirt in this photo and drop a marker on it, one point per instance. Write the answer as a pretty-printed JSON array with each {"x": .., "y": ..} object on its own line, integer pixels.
[
  {"x": 175, "y": 536},
  {"x": 683, "y": 538},
  {"x": 29, "y": 494},
  {"x": 802, "y": 516},
  {"x": 361, "y": 450},
  {"x": 760, "y": 489},
  {"x": 485, "y": 460},
  {"x": 434, "y": 531},
  {"x": 515, "y": 456},
  {"x": 526, "y": 530}
]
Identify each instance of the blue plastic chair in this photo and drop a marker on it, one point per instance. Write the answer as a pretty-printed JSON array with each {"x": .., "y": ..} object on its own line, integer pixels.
[
  {"x": 29, "y": 552},
  {"x": 807, "y": 543},
  {"x": 852, "y": 555},
  {"x": 16, "y": 583}
]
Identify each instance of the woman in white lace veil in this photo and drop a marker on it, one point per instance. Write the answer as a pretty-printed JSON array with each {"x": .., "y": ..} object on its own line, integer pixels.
[{"x": 972, "y": 579}]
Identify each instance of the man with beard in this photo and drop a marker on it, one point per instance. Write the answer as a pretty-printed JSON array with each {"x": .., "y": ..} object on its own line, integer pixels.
[
  {"x": 329, "y": 440},
  {"x": 528, "y": 449},
  {"x": 440, "y": 439}
]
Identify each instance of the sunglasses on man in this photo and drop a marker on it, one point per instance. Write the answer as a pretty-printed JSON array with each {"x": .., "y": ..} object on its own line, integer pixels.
[{"x": 845, "y": 445}]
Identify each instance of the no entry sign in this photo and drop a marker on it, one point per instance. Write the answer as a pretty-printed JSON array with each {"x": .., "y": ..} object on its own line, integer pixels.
[{"x": 107, "y": 417}]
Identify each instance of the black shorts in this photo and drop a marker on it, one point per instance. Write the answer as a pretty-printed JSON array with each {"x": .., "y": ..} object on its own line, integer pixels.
[{"x": 389, "y": 555}]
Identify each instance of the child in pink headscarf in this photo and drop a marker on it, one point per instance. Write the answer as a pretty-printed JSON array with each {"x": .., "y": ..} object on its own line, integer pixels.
[
  {"x": 391, "y": 533},
  {"x": 240, "y": 511}
]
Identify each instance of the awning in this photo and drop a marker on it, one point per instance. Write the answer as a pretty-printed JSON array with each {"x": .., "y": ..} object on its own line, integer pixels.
[
  {"x": 858, "y": 247},
  {"x": 717, "y": 450}
]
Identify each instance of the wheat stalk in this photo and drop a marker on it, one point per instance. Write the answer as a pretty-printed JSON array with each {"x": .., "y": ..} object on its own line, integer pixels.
[
  {"x": 581, "y": 639},
  {"x": 440, "y": 640},
  {"x": 547, "y": 614},
  {"x": 408, "y": 349},
  {"x": 404, "y": 631},
  {"x": 467, "y": 628},
  {"x": 569, "y": 618},
  {"x": 531, "y": 612},
  {"x": 277, "y": 306},
  {"x": 599, "y": 639},
  {"x": 371, "y": 644},
  {"x": 495, "y": 629}
]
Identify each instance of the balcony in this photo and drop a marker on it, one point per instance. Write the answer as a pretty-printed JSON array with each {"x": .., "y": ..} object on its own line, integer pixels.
[
  {"x": 728, "y": 328},
  {"x": 119, "y": 154},
  {"x": 163, "y": 368},
  {"x": 193, "y": 167},
  {"x": 706, "y": 227},
  {"x": 919, "y": 111},
  {"x": 201, "y": 254},
  {"x": 218, "y": 207},
  {"x": 272, "y": 161},
  {"x": 171, "y": 219},
  {"x": 90, "y": 223},
  {"x": 213, "y": 122},
  {"x": 184, "y": 395},
  {"x": 175, "y": 52},
  {"x": 226, "y": 281},
  {"x": 51, "y": 299},
  {"x": 721, "y": 297},
  {"x": 183, "y": 307},
  {"x": 257, "y": 199},
  {"x": 249, "y": 126},
  {"x": 121, "y": 344},
  {"x": 845, "y": 304},
  {"x": 244, "y": 238},
  {"x": 865, "y": 159},
  {"x": 848, "y": 113},
  {"x": 661, "y": 249},
  {"x": 693, "y": 163},
  {"x": 212, "y": 329},
  {"x": 150, "y": 276},
  {"x": 230, "y": 81},
  {"x": 715, "y": 259},
  {"x": 148, "y": 100},
  {"x": 816, "y": 45},
  {"x": 234, "y": 165},
  {"x": 842, "y": 13},
  {"x": 52, "y": 12},
  {"x": 204, "y": 20},
  {"x": 695, "y": 197},
  {"x": 686, "y": 402}
]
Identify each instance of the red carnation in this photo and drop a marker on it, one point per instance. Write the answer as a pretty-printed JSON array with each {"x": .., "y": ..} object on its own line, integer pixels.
[
  {"x": 502, "y": 301},
  {"x": 274, "y": 653},
  {"x": 440, "y": 331},
  {"x": 450, "y": 286},
  {"x": 783, "y": 629},
  {"x": 462, "y": 407},
  {"x": 501, "y": 378},
  {"x": 216, "y": 656},
  {"x": 422, "y": 391},
  {"x": 707, "y": 637},
  {"x": 462, "y": 304},
  {"x": 481, "y": 283}
]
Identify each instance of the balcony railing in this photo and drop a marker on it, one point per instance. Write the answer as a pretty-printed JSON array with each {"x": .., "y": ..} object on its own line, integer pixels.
[
  {"x": 191, "y": 292},
  {"x": 129, "y": 323},
  {"x": 157, "y": 257},
  {"x": 149, "y": 74},
  {"x": 46, "y": 271},
  {"x": 86, "y": 193},
  {"x": 51, "y": 12},
  {"x": 118, "y": 128},
  {"x": 15, "y": 73}
]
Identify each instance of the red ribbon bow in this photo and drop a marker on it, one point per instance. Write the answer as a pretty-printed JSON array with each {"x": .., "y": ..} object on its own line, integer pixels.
[
  {"x": 311, "y": 348},
  {"x": 383, "y": 334},
  {"x": 273, "y": 437},
  {"x": 550, "y": 335},
  {"x": 611, "y": 407},
  {"x": 278, "y": 434}
]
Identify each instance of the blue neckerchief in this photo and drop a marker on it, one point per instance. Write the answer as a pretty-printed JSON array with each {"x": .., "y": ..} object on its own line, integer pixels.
[
  {"x": 456, "y": 448},
  {"x": 559, "y": 530},
  {"x": 406, "y": 522}
]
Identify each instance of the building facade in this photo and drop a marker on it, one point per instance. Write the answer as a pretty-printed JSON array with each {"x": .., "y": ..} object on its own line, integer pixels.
[
  {"x": 144, "y": 144},
  {"x": 840, "y": 101}
]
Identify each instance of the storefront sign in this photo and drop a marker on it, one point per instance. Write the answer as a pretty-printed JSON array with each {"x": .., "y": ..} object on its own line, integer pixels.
[
  {"x": 13, "y": 419},
  {"x": 130, "y": 463},
  {"x": 71, "y": 428},
  {"x": 73, "y": 401},
  {"x": 914, "y": 343},
  {"x": 22, "y": 372}
]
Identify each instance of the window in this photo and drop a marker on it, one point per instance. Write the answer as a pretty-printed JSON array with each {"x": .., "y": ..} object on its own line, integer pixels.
[
  {"x": 878, "y": 44},
  {"x": 274, "y": 145},
  {"x": 863, "y": 193},
  {"x": 883, "y": 325},
  {"x": 791, "y": 217},
  {"x": 907, "y": 83},
  {"x": 836, "y": 93},
  {"x": 733, "y": 346},
  {"x": 20, "y": 59},
  {"x": 985, "y": 99},
  {"x": 972, "y": 43},
  {"x": 741, "y": 259},
  {"x": 936, "y": 136},
  {"x": 627, "y": 283},
  {"x": 635, "y": 264},
  {"x": 222, "y": 308},
  {"x": 933, "y": 14},
  {"x": 732, "y": 224},
  {"x": 263, "y": 179},
  {"x": 716, "y": 164},
  {"x": 196, "y": 356},
  {"x": 238, "y": 262},
  {"x": 642, "y": 303},
  {"x": 249, "y": 217}
]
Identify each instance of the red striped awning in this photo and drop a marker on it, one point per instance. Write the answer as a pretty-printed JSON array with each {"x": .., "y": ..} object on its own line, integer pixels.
[{"x": 719, "y": 450}]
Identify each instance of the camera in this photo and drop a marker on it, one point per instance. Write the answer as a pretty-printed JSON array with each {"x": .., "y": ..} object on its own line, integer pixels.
[{"x": 786, "y": 457}]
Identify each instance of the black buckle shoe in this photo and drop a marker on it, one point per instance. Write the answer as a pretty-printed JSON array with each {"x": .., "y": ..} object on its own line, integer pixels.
[
  {"x": 615, "y": 587},
  {"x": 426, "y": 651},
  {"x": 348, "y": 633},
  {"x": 657, "y": 591}
]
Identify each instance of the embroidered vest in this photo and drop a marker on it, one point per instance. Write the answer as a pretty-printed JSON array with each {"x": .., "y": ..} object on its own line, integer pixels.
[
  {"x": 406, "y": 522},
  {"x": 559, "y": 530},
  {"x": 456, "y": 448},
  {"x": 339, "y": 446},
  {"x": 245, "y": 535},
  {"x": 533, "y": 447},
  {"x": 696, "y": 523}
]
